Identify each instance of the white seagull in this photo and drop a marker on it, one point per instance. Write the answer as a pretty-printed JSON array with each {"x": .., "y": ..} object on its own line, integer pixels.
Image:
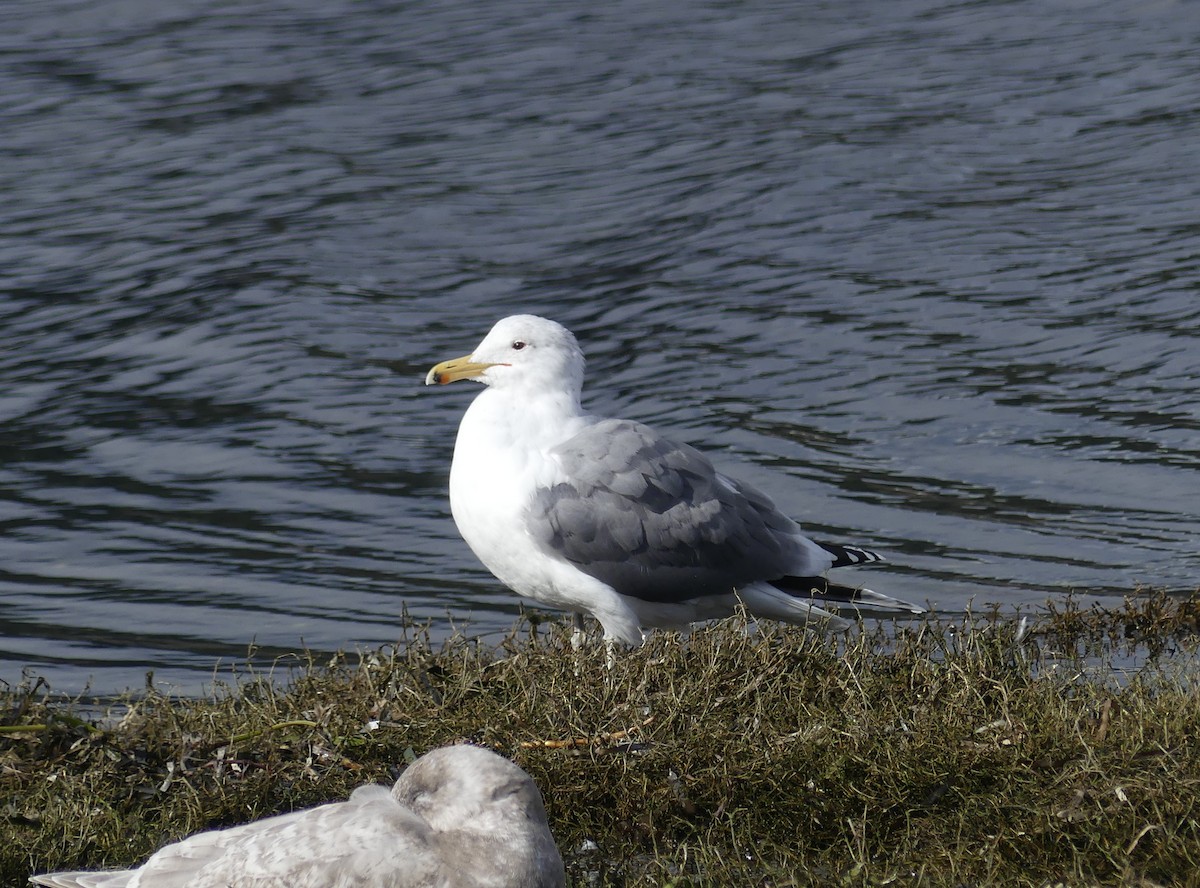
[
  {"x": 607, "y": 517},
  {"x": 458, "y": 817}
]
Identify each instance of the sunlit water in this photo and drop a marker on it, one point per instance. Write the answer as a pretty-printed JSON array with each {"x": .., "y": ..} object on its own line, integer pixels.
[{"x": 928, "y": 272}]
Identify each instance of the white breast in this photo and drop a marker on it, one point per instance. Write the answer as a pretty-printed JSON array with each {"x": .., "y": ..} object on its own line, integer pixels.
[{"x": 500, "y": 458}]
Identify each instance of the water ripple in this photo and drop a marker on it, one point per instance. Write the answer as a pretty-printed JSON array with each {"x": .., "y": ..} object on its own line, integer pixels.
[{"x": 924, "y": 272}]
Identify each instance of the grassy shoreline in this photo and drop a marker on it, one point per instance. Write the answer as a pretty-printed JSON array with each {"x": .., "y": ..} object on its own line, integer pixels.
[{"x": 940, "y": 752}]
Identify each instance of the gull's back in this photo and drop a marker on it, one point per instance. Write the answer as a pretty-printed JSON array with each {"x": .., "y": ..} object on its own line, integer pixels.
[{"x": 370, "y": 841}]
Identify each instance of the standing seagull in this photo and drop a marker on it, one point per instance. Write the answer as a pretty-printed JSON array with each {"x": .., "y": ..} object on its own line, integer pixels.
[
  {"x": 458, "y": 817},
  {"x": 607, "y": 517}
]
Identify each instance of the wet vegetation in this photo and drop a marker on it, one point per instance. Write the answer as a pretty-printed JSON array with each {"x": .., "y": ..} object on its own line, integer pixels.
[{"x": 1061, "y": 749}]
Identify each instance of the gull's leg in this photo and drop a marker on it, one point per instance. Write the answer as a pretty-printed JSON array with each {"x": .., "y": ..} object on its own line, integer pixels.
[
  {"x": 578, "y": 635},
  {"x": 613, "y": 644}
]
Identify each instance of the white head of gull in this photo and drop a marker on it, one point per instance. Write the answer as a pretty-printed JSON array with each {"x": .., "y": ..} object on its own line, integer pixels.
[
  {"x": 458, "y": 817},
  {"x": 607, "y": 517}
]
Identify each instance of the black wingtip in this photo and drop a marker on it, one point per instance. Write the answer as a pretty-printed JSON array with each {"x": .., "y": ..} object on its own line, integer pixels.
[
  {"x": 847, "y": 556},
  {"x": 836, "y": 593}
]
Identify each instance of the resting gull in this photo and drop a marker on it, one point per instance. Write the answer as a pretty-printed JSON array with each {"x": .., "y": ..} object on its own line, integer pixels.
[
  {"x": 607, "y": 517},
  {"x": 458, "y": 817}
]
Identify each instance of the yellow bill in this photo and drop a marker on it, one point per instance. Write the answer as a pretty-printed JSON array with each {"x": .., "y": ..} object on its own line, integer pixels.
[{"x": 454, "y": 370}]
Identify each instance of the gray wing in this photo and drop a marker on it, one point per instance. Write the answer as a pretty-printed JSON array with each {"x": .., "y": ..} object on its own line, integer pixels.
[
  {"x": 84, "y": 879},
  {"x": 654, "y": 519},
  {"x": 370, "y": 842}
]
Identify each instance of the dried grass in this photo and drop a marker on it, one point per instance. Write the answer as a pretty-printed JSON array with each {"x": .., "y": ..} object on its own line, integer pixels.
[{"x": 945, "y": 752}]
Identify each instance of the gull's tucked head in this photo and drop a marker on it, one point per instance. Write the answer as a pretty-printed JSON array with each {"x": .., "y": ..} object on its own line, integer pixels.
[
  {"x": 487, "y": 816},
  {"x": 468, "y": 787},
  {"x": 521, "y": 351}
]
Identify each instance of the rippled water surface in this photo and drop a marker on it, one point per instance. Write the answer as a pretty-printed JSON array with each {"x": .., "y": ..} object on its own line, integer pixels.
[{"x": 926, "y": 271}]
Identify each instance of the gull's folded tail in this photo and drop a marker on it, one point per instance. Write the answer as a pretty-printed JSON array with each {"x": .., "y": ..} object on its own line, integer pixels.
[{"x": 853, "y": 596}]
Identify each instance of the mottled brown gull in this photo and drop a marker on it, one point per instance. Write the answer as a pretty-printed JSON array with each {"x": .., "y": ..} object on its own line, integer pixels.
[
  {"x": 607, "y": 517},
  {"x": 458, "y": 817}
]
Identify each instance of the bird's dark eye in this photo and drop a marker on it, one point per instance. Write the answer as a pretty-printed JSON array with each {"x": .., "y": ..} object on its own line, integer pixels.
[{"x": 518, "y": 345}]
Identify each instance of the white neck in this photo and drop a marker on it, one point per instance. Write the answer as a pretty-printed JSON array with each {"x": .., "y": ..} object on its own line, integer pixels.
[{"x": 536, "y": 423}]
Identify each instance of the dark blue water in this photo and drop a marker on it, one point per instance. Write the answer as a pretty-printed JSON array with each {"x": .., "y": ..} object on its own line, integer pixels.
[{"x": 929, "y": 272}]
